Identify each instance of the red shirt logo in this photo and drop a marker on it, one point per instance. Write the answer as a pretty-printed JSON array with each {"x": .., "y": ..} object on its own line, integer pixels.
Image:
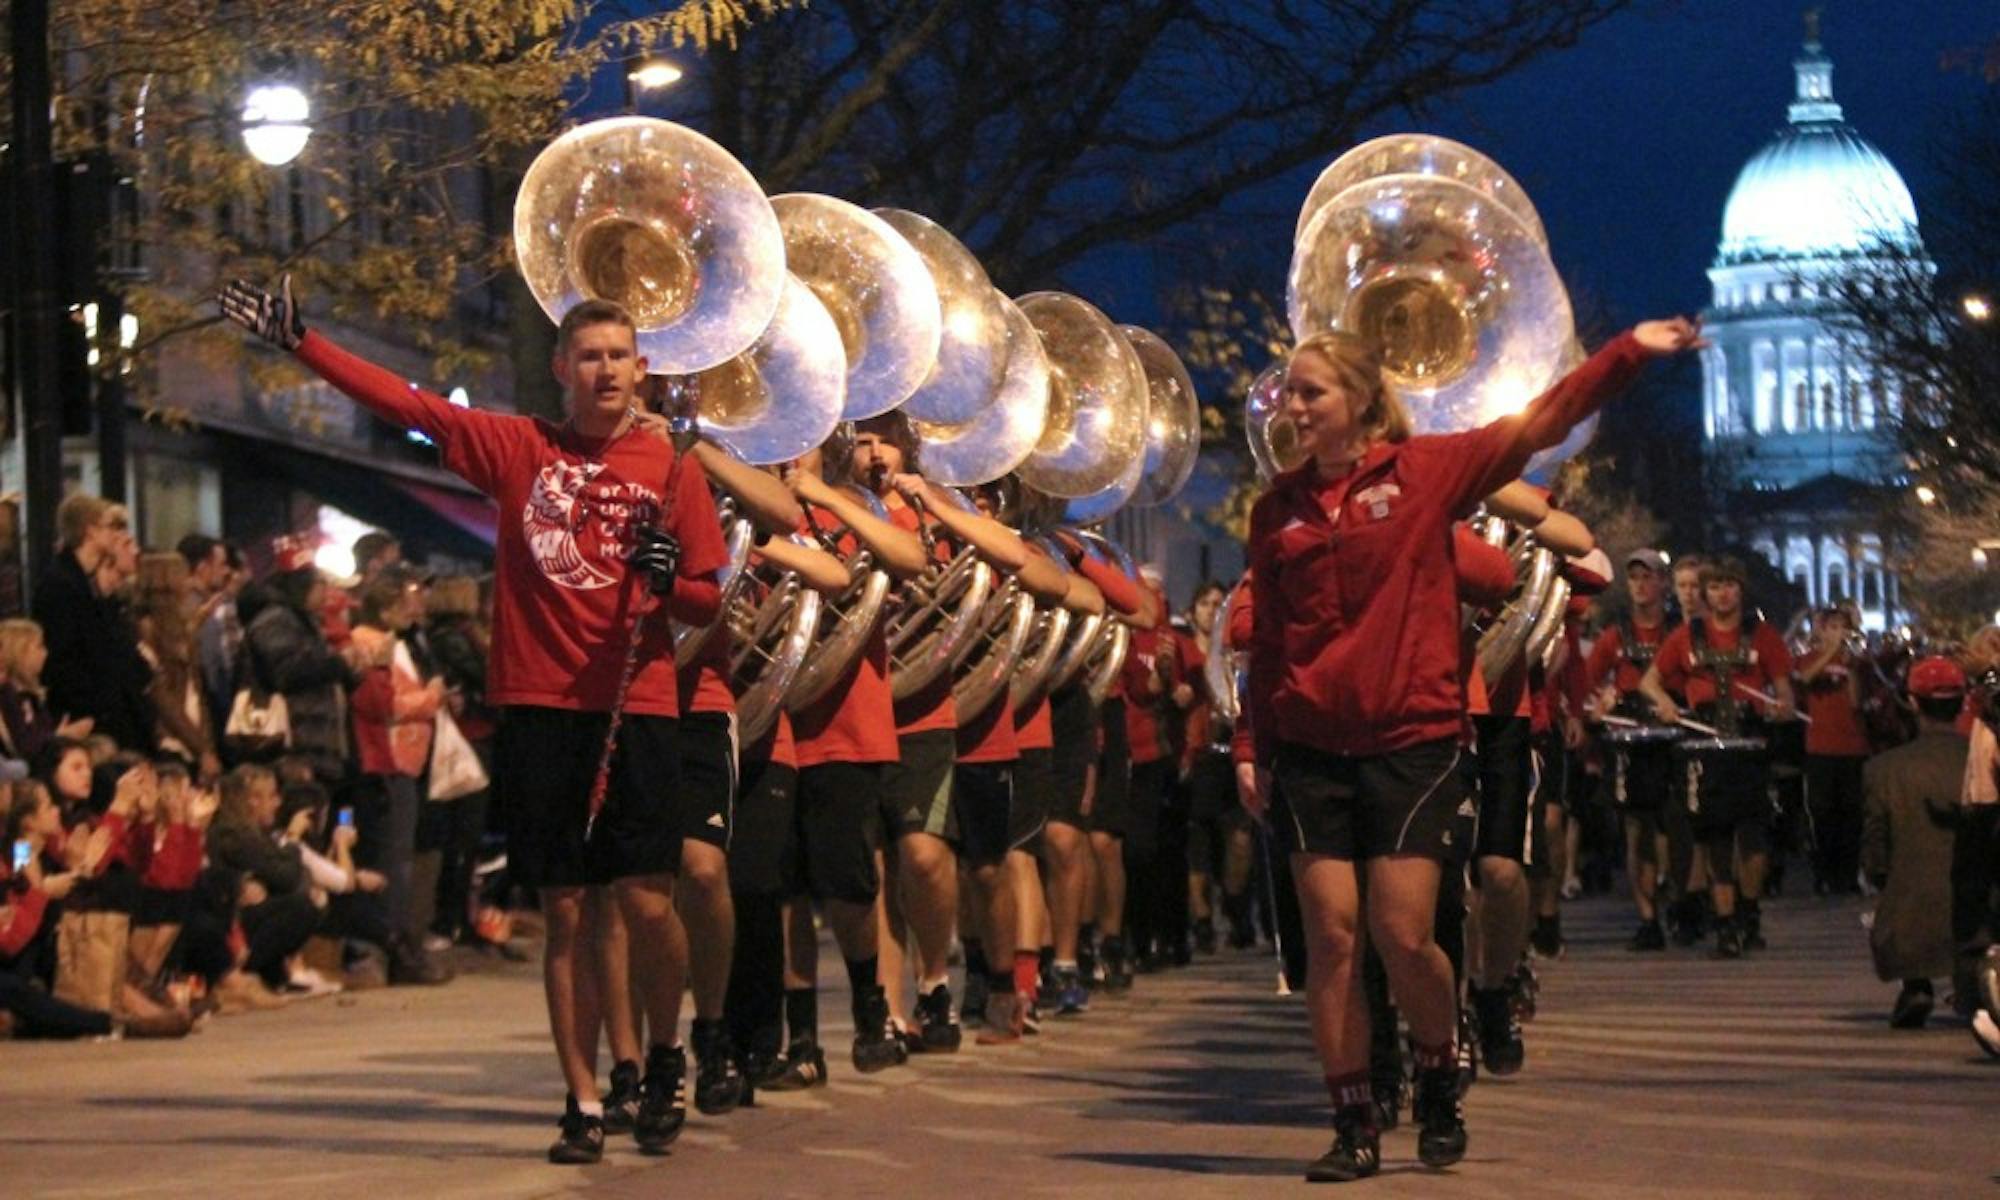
[{"x": 578, "y": 529}]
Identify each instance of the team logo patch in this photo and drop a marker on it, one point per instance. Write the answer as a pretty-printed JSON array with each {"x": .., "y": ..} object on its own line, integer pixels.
[
  {"x": 578, "y": 526},
  {"x": 1376, "y": 499}
]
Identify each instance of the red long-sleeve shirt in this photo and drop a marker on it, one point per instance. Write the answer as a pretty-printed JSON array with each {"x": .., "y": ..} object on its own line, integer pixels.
[
  {"x": 1355, "y": 643},
  {"x": 24, "y": 919},
  {"x": 569, "y": 508},
  {"x": 175, "y": 860}
]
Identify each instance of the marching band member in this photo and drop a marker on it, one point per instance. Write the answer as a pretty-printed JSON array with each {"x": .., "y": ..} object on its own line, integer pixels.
[
  {"x": 1219, "y": 834},
  {"x": 1066, "y": 848},
  {"x": 1730, "y": 668},
  {"x": 845, "y": 743},
  {"x": 1641, "y": 777},
  {"x": 593, "y": 535},
  {"x": 1356, "y": 704}
]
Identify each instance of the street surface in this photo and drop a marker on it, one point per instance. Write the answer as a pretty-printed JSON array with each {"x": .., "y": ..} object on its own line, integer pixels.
[{"x": 1664, "y": 1075}]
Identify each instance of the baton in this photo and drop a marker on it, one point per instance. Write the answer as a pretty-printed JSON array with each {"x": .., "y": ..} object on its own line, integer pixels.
[
  {"x": 682, "y": 435},
  {"x": 1769, "y": 699},
  {"x": 1271, "y": 898}
]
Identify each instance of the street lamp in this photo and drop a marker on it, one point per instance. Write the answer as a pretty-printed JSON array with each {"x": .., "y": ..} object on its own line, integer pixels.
[
  {"x": 1976, "y": 306},
  {"x": 1926, "y": 495},
  {"x": 652, "y": 74},
  {"x": 275, "y": 123},
  {"x": 648, "y": 73}
]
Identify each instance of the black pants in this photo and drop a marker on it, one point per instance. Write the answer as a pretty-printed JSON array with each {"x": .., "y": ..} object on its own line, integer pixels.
[
  {"x": 1975, "y": 871},
  {"x": 41, "y": 1015},
  {"x": 454, "y": 829},
  {"x": 1148, "y": 892},
  {"x": 1833, "y": 800},
  {"x": 386, "y": 811},
  {"x": 277, "y": 929}
]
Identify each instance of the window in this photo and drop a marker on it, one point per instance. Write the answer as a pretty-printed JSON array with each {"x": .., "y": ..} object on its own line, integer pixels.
[
  {"x": 1836, "y": 583},
  {"x": 1801, "y": 409},
  {"x": 1829, "y": 417}
]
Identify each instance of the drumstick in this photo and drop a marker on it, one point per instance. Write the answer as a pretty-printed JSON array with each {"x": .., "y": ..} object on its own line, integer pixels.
[
  {"x": 1698, "y": 727},
  {"x": 1614, "y": 719},
  {"x": 1769, "y": 699}
]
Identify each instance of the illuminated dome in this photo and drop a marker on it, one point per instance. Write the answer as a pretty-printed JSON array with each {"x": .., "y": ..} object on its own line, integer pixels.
[{"x": 1819, "y": 189}]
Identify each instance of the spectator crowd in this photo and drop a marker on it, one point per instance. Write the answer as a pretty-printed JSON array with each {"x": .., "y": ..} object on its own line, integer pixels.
[{"x": 224, "y": 793}]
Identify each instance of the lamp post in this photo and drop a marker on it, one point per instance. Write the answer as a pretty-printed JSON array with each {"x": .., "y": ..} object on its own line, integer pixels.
[{"x": 37, "y": 314}]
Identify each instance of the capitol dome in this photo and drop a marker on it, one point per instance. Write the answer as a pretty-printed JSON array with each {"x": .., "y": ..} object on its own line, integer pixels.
[{"x": 1818, "y": 189}]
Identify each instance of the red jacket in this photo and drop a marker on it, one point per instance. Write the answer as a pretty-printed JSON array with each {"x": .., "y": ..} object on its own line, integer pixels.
[
  {"x": 1355, "y": 646},
  {"x": 173, "y": 859}
]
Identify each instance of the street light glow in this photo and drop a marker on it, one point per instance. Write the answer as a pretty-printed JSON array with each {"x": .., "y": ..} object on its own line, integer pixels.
[
  {"x": 1926, "y": 495},
  {"x": 655, "y": 73},
  {"x": 275, "y": 125},
  {"x": 1976, "y": 306}
]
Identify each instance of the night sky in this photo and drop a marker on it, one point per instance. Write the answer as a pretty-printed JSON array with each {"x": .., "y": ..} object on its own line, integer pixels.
[{"x": 1628, "y": 144}]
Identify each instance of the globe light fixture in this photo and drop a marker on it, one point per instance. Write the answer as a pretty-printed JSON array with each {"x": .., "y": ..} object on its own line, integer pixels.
[
  {"x": 1976, "y": 306},
  {"x": 275, "y": 123}
]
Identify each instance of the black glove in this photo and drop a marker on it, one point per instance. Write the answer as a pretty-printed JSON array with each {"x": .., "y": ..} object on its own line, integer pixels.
[
  {"x": 658, "y": 554},
  {"x": 273, "y": 318}
]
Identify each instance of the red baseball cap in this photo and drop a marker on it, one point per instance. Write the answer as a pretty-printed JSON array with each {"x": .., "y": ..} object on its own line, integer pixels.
[
  {"x": 293, "y": 551},
  {"x": 1936, "y": 677}
]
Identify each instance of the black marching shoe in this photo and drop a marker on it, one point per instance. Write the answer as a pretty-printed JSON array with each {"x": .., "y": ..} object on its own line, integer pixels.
[
  {"x": 1117, "y": 967},
  {"x": 621, "y": 1103},
  {"x": 1204, "y": 936},
  {"x": 1728, "y": 937},
  {"x": 1913, "y": 1008},
  {"x": 1439, "y": 1116},
  {"x": 1468, "y": 1051},
  {"x": 1356, "y": 1152},
  {"x": 1750, "y": 915},
  {"x": 1386, "y": 1109},
  {"x": 876, "y": 1046},
  {"x": 802, "y": 1066},
  {"x": 1500, "y": 1046},
  {"x": 582, "y": 1139},
  {"x": 719, "y": 1084},
  {"x": 972, "y": 1009},
  {"x": 937, "y": 1030},
  {"x": 1648, "y": 938},
  {"x": 662, "y": 1100}
]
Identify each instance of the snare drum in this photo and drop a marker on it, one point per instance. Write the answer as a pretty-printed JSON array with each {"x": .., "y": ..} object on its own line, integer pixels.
[
  {"x": 1641, "y": 775},
  {"x": 1723, "y": 780}
]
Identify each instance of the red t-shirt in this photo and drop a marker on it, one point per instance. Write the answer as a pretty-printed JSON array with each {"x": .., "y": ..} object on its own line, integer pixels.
[
  {"x": 565, "y": 600},
  {"x": 1034, "y": 730},
  {"x": 1769, "y": 662},
  {"x": 931, "y": 708},
  {"x": 989, "y": 737},
  {"x": 704, "y": 686},
  {"x": 1608, "y": 651},
  {"x": 855, "y": 722},
  {"x": 1143, "y": 704},
  {"x": 1835, "y": 727}
]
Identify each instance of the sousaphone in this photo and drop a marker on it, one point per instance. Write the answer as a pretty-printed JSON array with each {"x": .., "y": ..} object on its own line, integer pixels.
[{"x": 663, "y": 221}]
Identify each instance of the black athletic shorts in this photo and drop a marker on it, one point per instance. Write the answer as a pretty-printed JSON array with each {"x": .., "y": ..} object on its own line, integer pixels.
[
  {"x": 840, "y": 829},
  {"x": 1507, "y": 782},
  {"x": 544, "y": 761},
  {"x": 1213, "y": 808},
  {"x": 708, "y": 777},
  {"x": 1034, "y": 795},
  {"x": 764, "y": 847},
  {"x": 1073, "y": 723},
  {"x": 1111, "y": 810},
  {"x": 1404, "y": 802},
  {"x": 916, "y": 789},
  {"x": 985, "y": 803}
]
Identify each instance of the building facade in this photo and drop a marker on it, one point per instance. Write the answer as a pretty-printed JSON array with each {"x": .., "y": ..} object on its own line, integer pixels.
[{"x": 1794, "y": 424}]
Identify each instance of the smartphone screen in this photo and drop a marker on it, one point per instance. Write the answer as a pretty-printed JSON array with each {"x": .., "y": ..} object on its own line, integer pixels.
[
  {"x": 24, "y": 853},
  {"x": 346, "y": 817}
]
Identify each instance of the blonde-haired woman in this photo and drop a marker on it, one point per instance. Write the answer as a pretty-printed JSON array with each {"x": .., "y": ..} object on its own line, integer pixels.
[{"x": 1356, "y": 700}]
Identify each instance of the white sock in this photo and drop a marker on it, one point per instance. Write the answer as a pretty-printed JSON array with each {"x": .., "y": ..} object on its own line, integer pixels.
[
  {"x": 931, "y": 985},
  {"x": 592, "y": 1108}
]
